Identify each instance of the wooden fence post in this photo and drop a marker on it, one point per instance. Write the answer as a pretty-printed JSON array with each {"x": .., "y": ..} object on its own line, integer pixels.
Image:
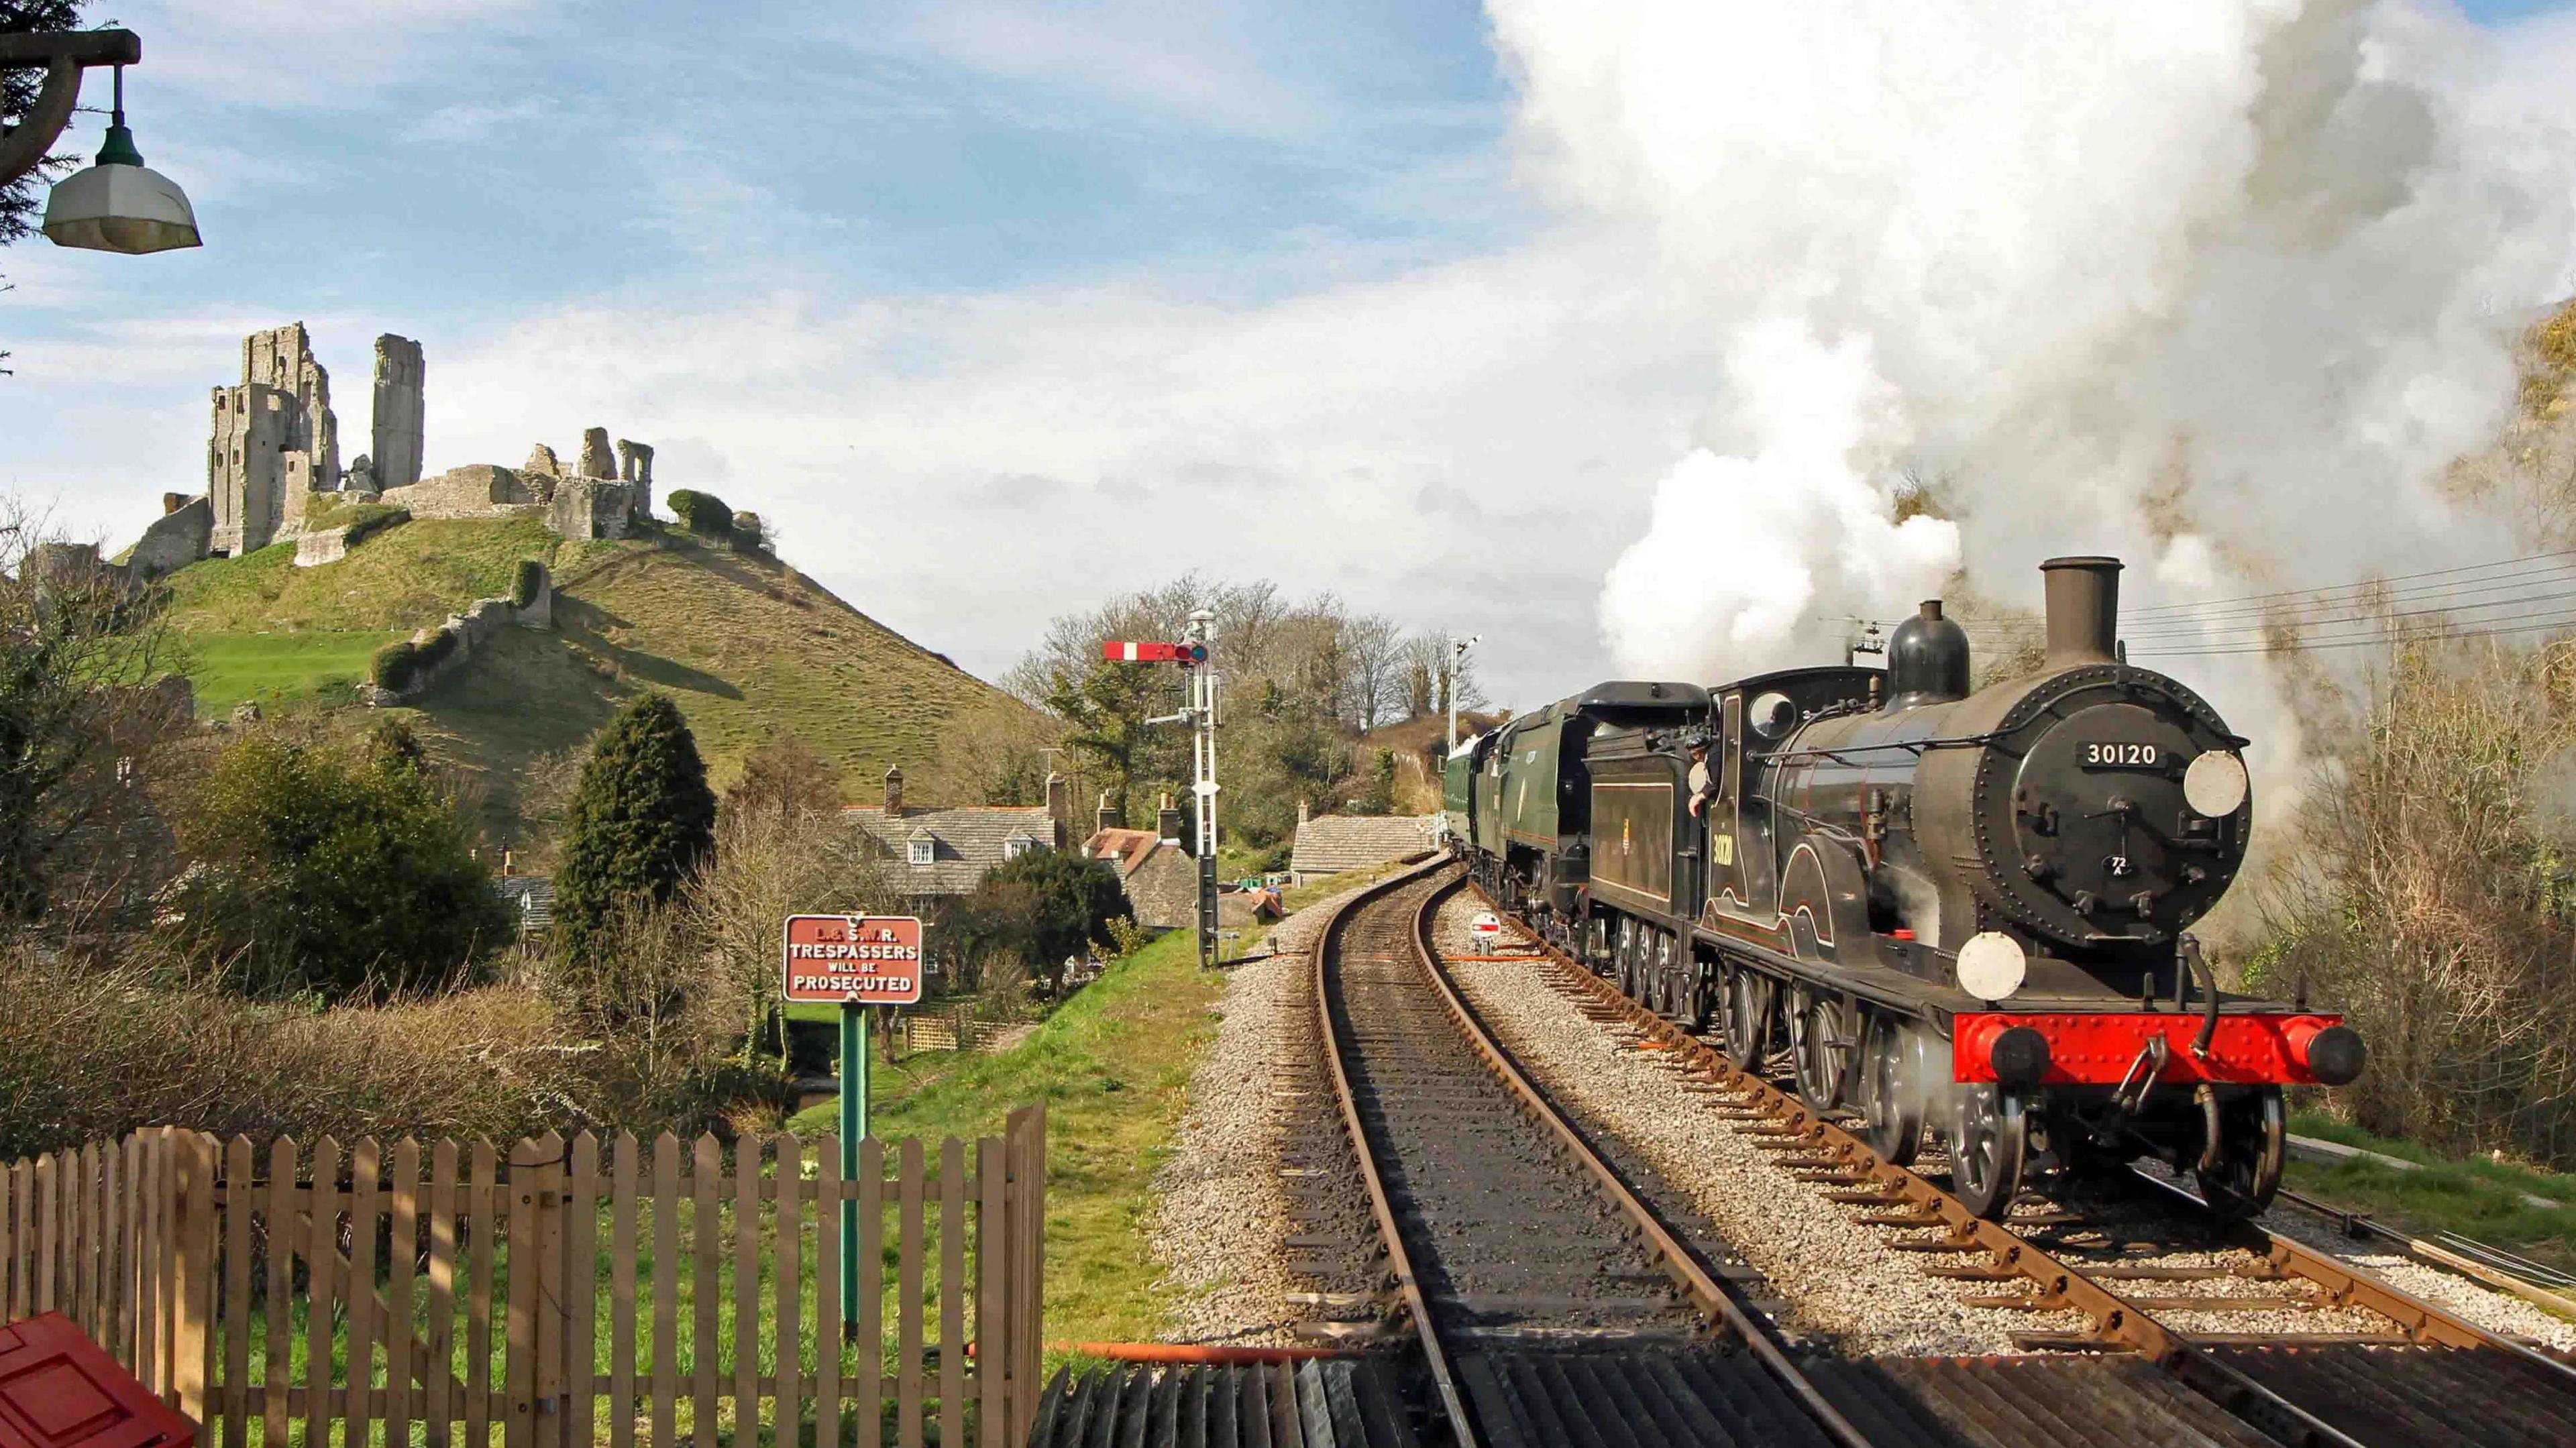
[
  {"x": 194, "y": 1297},
  {"x": 1025, "y": 1350}
]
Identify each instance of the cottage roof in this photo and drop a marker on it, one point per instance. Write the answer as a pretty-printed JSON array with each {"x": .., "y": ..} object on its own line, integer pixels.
[
  {"x": 1330, "y": 844},
  {"x": 966, "y": 843},
  {"x": 1129, "y": 849}
]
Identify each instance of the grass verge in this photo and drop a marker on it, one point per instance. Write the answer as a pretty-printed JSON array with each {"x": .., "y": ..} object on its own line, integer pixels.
[
  {"x": 2475, "y": 1198},
  {"x": 1113, "y": 1066}
]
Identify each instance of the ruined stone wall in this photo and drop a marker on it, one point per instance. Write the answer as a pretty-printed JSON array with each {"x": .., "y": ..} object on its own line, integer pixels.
[
  {"x": 176, "y": 539},
  {"x": 397, "y": 429},
  {"x": 477, "y": 490},
  {"x": 588, "y": 508}
]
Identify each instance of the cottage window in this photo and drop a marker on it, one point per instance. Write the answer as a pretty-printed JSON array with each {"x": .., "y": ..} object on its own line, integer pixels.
[{"x": 924, "y": 851}]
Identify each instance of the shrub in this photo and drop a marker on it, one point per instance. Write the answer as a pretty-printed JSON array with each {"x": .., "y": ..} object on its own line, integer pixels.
[
  {"x": 396, "y": 666},
  {"x": 530, "y": 582},
  {"x": 704, "y": 514},
  {"x": 435, "y": 650},
  {"x": 345, "y": 869},
  {"x": 641, "y": 820},
  {"x": 749, "y": 534},
  {"x": 1043, "y": 907},
  {"x": 2431, "y": 901}
]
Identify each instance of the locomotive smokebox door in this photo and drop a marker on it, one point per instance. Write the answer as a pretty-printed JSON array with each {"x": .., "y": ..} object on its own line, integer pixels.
[{"x": 2100, "y": 802}]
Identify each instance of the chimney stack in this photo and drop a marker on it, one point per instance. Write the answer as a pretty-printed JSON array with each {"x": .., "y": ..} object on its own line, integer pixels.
[
  {"x": 1167, "y": 822},
  {"x": 1059, "y": 805},
  {"x": 1107, "y": 818},
  {"x": 894, "y": 790},
  {"x": 2083, "y": 610},
  {"x": 1301, "y": 810}
]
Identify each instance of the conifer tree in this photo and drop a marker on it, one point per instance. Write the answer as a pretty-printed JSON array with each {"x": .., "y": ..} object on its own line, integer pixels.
[{"x": 641, "y": 821}]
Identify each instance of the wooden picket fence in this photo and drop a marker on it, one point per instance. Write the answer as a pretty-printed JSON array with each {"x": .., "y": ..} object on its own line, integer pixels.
[{"x": 563, "y": 1293}]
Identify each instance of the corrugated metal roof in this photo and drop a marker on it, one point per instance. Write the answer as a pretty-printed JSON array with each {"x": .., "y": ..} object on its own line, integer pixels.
[
  {"x": 1331, "y": 1403},
  {"x": 1330, "y": 844},
  {"x": 2006, "y": 1402},
  {"x": 2419, "y": 1397}
]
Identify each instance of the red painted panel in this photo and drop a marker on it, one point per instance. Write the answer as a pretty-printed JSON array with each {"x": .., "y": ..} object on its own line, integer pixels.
[
  {"x": 60, "y": 1390},
  {"x": 2097, "y": 1050}
]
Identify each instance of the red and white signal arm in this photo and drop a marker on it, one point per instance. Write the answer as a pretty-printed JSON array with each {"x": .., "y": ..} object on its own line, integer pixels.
[
  {"x": 1487, "y": 927},
  {"x": 869, "y": 960}
]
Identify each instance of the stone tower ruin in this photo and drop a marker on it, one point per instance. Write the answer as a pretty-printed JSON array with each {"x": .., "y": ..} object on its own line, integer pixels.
[
  {"x": 397, "y": 430},
  {"x": 274, "y": 443}
]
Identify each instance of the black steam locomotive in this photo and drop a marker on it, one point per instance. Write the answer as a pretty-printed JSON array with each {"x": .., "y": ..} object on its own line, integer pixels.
[{"x": 1955, "y": 913}]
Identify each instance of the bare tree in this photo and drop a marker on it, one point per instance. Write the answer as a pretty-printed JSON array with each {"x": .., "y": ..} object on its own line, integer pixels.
[
  {"x": 1376, "y": 652},
  {"x": 773, "y": 860},
  {"x": 84, "y": 700}
]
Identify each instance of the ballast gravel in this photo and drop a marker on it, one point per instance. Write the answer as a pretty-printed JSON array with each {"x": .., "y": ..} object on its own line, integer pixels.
[
  {"x": 1261, "y": 1161},
  {"x": 1837, "y": 1283},
  {"x": 1258, "y": 1112}
]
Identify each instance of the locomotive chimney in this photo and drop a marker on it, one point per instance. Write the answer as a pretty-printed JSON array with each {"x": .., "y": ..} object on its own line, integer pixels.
[{"x": 2083, "y": 610}]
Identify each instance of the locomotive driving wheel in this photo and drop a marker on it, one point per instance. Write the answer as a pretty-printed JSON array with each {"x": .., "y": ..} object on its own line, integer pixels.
[
  {"x": 1891, "y": 1093},
  {"x": 1818, "y": 1042},
  {"x": 1746, "y": 1017},
  {"x": 2252, "y": 1137},
  {"x": 1989, "y": 1140}
]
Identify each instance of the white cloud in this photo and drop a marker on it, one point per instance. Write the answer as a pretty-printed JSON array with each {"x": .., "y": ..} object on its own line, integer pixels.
[
  {"x": 965, "y": 467},
  {"x": 291, "y": 54},
  {"x": 1171, "y": 58},
  {"x": 471, "y": 121}
]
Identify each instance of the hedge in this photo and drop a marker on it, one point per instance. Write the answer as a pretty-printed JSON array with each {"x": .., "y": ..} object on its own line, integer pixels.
[
  {"x": 702, "y": 513},
  {"x": 531, "y": 582},
  {"x": 396, "y": 665}
]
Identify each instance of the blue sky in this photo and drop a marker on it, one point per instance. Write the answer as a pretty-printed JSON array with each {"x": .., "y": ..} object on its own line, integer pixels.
[{"x": 984, "y": 300}]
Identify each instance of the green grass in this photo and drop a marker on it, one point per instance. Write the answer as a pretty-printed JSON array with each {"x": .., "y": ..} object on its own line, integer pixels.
[
  {"x": 405, "y": 577},
  {"x": 1113, "y": 1066},
  {"x": 748, "y": 649},
  {"x": 2476, "y": 1198},
  {"x": 281, "y": 668}
]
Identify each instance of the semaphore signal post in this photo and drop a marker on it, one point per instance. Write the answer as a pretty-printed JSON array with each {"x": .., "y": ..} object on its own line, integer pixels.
[{"x": 1194, "y": 653}]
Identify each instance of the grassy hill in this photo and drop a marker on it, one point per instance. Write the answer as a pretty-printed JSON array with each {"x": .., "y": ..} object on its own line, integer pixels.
[{"x": 749, "y": 649}]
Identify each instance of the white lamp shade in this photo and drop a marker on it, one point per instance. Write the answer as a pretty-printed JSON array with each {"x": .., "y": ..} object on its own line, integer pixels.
[{"x": 132, "y": 209}]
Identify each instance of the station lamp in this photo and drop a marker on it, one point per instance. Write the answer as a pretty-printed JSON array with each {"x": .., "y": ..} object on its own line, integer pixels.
[{"x": 118, "y": 204}]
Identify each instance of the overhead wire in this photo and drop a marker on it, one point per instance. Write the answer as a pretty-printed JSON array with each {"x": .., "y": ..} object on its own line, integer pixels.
[{"x": 2369, "y": 613}]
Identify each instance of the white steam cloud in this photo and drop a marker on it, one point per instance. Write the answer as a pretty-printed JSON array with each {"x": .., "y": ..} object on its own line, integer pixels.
[{"x": 2219, "y": 286}]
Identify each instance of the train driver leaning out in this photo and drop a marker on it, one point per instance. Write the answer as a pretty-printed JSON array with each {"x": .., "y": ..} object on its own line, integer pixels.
[{"x": 1703, "y": 784}]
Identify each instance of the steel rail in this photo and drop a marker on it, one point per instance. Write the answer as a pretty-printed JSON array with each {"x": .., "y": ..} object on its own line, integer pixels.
[
  {"x": 1435, "y": 1355},
  {"x": 1845, "y": 1158},
  {"x": 1677, "y": 1260}
]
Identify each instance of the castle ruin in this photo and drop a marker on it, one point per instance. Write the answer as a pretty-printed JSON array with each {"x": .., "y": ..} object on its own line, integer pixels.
[
  {"x": 275, "y": 445},
  {"x": 275, "y": 441}
]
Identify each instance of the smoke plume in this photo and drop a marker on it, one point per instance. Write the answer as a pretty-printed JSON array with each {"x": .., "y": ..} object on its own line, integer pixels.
[{"x": 2219, "y": 286}]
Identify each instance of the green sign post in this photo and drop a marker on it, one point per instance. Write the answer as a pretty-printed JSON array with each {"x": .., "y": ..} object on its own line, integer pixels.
[
  {"x": 857, "y": 962},
  {"x": 854, "y": 1128}
]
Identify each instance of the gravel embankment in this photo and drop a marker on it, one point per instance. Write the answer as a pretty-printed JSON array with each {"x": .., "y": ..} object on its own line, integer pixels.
[{"x": 1261, "y": 1162}]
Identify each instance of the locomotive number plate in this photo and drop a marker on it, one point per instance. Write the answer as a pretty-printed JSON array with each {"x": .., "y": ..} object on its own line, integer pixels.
[{"x": 2115, "y": 754}]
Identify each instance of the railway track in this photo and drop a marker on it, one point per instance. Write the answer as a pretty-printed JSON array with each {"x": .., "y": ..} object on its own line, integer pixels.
[
  {"x": 1549, "y": 1302},
  {"x": 2402, "y": 1373}
]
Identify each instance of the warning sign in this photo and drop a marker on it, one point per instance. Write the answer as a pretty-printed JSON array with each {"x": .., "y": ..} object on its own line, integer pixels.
[
  {"x": 874, "y": 960},
  {"x": 1487, "y": 927}
]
